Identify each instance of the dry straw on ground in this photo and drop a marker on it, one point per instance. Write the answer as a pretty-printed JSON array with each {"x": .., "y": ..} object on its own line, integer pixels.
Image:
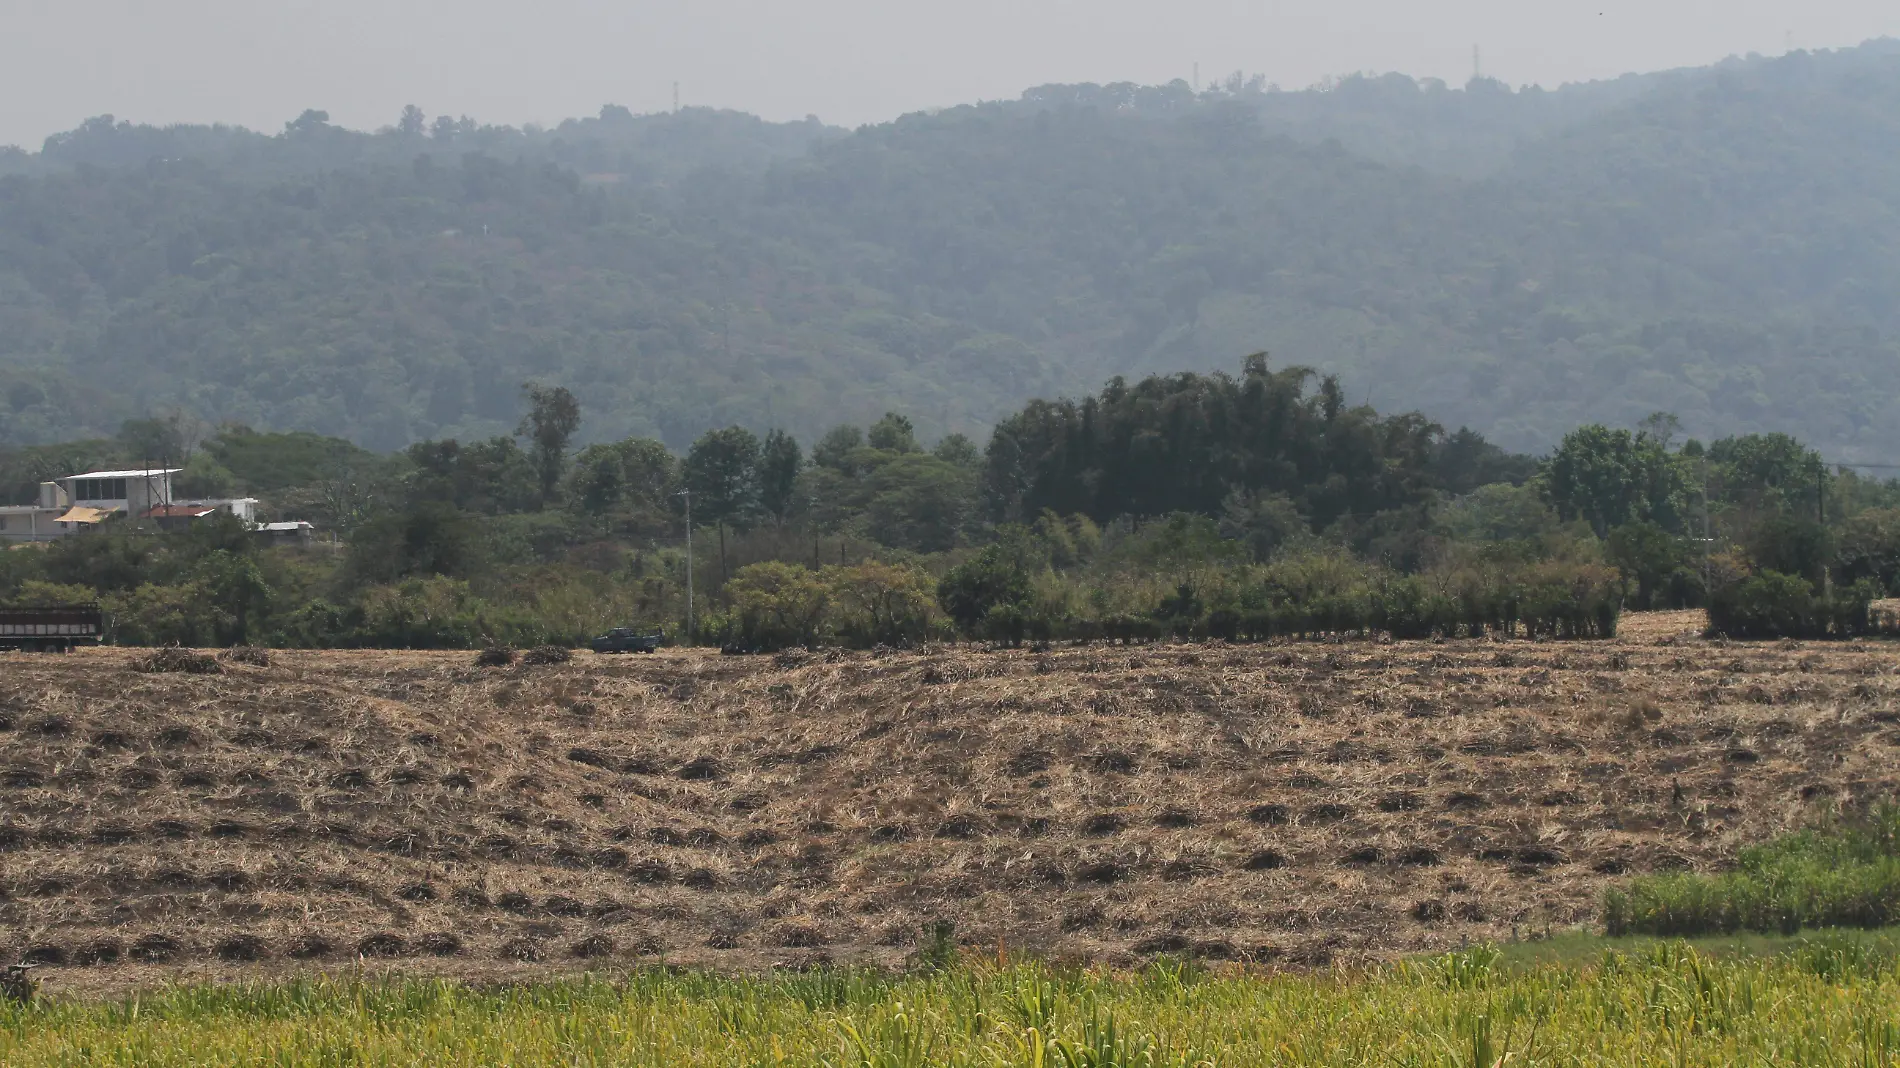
[
  {"x": 1292, "y": 804},
  {"x": 173, "y": 659},
  {"x": 252, "y": 655}
]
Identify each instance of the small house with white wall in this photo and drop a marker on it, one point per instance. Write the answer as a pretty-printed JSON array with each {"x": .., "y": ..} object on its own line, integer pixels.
[{"x": 81, "y": 502}]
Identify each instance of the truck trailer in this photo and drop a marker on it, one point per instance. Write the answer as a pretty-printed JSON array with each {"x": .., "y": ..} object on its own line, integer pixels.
[{"x": 56, "y": 629}]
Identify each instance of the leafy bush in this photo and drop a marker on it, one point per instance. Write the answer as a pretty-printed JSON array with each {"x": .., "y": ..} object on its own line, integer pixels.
[
  {"x": 1294, "y": 600},
  {"x": 1844, "y": 875},
  {"x": 437, "y": 613},
  {"x": 184, "y": 614},
  {"x": 880, "y": 604},
  {"x": 971, "y": 591},
  {"x": 1774, "y": 605},
  {"x": 1870, "y": 549},
  {"x": 775, "y": 605}
]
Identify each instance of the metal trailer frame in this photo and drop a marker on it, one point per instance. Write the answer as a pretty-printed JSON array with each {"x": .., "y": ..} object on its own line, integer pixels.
[{"x": 55, "y": 629}]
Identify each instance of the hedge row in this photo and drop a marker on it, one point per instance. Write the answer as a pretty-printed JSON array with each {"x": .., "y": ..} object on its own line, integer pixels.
[
  {"x": 1579, "y": 606},
  {"x": 1773, "y": 605}
]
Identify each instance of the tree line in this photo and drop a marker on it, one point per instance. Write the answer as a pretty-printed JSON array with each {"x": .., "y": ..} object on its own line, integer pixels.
[{"x": 1238, "y": 506}]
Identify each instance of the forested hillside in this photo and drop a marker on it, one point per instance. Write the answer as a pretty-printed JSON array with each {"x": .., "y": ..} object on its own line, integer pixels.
[{"x": 1716, "y": 243}]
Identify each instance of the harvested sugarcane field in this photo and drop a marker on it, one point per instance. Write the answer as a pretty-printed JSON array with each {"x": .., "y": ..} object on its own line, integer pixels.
[{"x": 1290, "y": 806}]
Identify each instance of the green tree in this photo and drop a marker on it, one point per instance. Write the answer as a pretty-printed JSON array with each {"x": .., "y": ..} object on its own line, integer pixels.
[
  {"x": 203, "y": 476},
  {"x": 780, "y": 462},
  {"x": 168, "y": 439},
  {"x": 722, "y": 471},
  {"x": 997, "y": 577},
  {"x": 1263, "y": 522},
  {"x": 958, "y": 449},
  {"x": 918, "y": 502},
  {"x": 1792, "y": 545},
  {"x": 893, "y": 433},
  {"x": 1499, "y": 512},
  {"x": 776, "y": 604},
  {"x": 185, "y": 614},
  {"x": 881, "y": 604},
  {"x": 838, "y": 449},
  {"x": 628, "y": 482},
  {"x": 234, "y": 583},
  {"x": 1761, "y": 473},
  {"x": 553, "y": 416},
  {"x": 1870, "y": 549},
  {"x": 428, "y": 538},
  {"x": 1610, "y": 477},
  {"x": 312, "y": 121},
  {"x": 116, "y": 558},
  {"x": 1647, "y": 555},
  {"x": 493, "y": 477}
]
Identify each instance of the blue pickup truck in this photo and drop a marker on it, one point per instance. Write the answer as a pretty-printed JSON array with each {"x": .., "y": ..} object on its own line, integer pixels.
[{"x": 627, "y": 640}]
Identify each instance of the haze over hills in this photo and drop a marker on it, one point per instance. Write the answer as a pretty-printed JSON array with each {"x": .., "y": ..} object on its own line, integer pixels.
[{"x": 1720, "y": 243}]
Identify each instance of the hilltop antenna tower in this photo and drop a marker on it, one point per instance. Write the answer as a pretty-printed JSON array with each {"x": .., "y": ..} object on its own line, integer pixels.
[
  {"x": 1197, "y": 76},
  {"x": 676, "y": 96},
  {"x": 1477, "y": 65}
]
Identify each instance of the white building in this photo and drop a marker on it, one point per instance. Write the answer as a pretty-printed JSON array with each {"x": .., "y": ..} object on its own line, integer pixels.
[{"x": 80, "y": 502}]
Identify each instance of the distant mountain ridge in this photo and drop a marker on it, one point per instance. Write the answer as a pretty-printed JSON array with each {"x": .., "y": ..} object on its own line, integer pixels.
[{"x": 1721, "y": 242}]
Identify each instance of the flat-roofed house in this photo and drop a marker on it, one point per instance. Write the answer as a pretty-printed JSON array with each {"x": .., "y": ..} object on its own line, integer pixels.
[
  {"x": 78, "y": 502},
  {"x": 38, "y": 521},
  {"x": 81, "y": 502}
]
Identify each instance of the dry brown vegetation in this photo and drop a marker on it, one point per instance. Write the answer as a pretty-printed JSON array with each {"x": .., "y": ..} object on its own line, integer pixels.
[{"x": 1292, "y": 803}]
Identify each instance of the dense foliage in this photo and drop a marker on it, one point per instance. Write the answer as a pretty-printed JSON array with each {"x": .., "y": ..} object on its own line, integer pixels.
[
  {"x": 1239, "y": 507},
  {"x": 1717, "y": 243}
]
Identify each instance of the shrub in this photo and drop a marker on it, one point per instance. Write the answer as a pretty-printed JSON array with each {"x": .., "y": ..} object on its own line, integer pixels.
[
  {"x": 880, "y": 604},
  {"x": 1775, "y": 605},
  {"x": 1324, "y": 596},
  {"x": 185, "y": 614},
  {"x": 971, "y": 590},
  {"x": 776, "y": 605},
  {"x": 1870, "y": 549},
  {"x": 937, "y": 949}
]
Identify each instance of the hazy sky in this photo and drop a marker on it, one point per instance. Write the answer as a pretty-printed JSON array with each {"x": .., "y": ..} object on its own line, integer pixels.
[{"x": 260, "y": 62}]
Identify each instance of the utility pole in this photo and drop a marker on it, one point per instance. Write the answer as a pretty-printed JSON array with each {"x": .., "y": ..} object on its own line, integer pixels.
[
  {"x": 1708, "y": 539},
  {"x": 1820, "y": 512},
  {"x": 688, "y": 494}
]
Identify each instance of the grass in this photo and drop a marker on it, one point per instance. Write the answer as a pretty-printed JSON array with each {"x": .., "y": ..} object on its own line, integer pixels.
[
  {"x": 1668, "y": 1003},
  {"x": 1579, "y": 947},
  {"x": 1843, "y": 874}
]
